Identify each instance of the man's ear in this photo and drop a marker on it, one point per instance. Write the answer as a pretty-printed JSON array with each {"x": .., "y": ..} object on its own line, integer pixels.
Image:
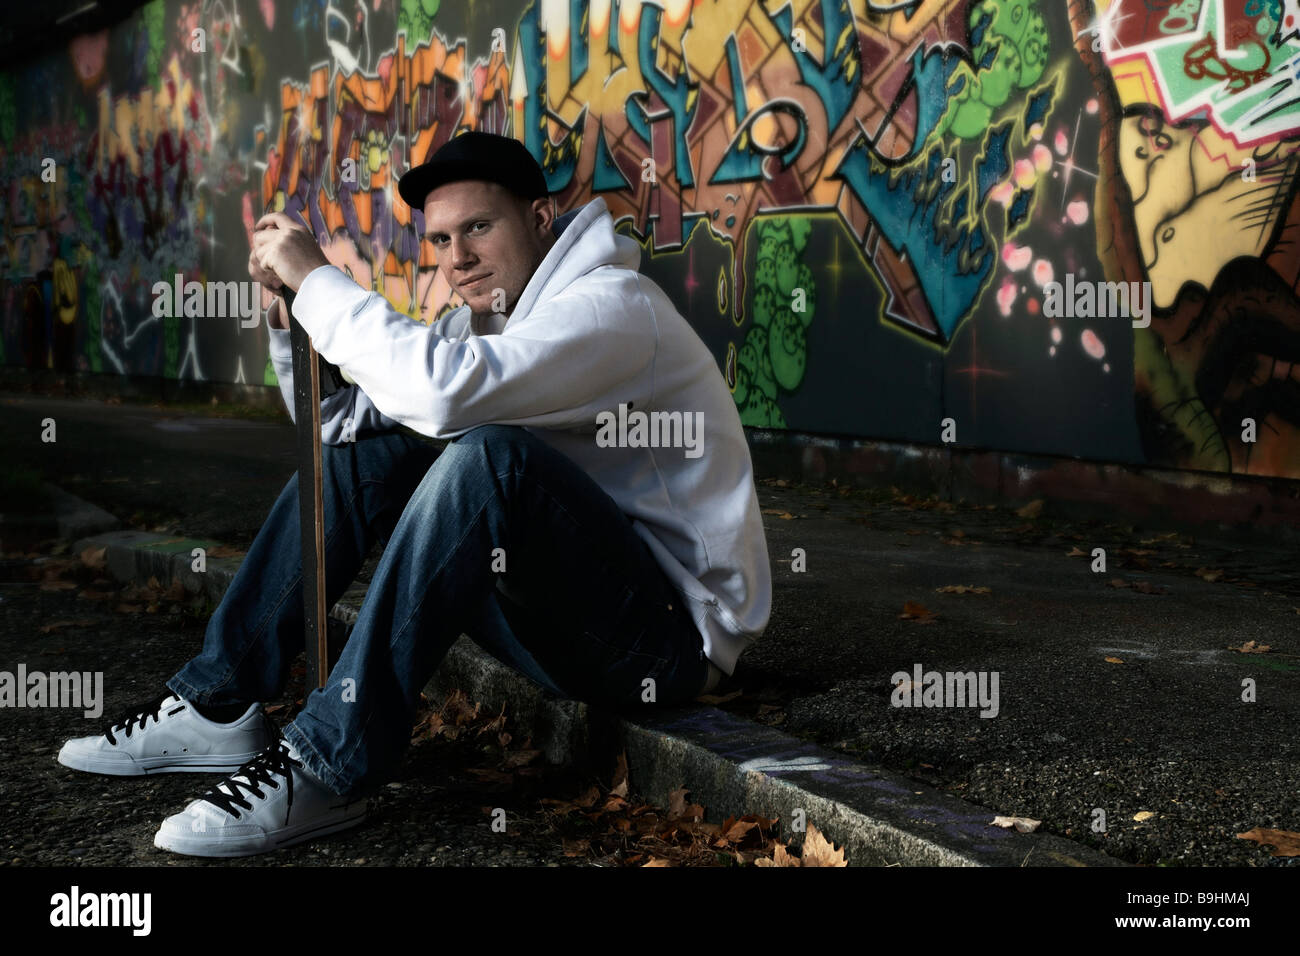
[{"x": 545, "y": 209}]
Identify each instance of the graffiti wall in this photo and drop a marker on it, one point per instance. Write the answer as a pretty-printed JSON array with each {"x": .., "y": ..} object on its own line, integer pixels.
[{"x": 1047, "y": 226}]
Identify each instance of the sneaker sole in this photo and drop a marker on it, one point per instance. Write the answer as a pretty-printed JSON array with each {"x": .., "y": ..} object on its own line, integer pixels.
[
  {"x": 130, "y": 767},
  {"x": 276, "y": 840}
]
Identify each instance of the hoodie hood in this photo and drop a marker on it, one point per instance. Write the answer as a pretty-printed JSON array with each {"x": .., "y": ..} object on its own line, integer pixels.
[{"x": 585, "y": 241}]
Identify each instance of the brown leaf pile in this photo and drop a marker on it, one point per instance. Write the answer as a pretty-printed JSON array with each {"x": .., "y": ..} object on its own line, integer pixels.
[
  {"x": 459, "y": 717},
  {"x": 86, "y": 573},
  {"x": 623, "y": 832}
]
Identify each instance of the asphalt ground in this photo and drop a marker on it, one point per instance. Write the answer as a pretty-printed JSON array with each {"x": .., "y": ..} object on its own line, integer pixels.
[{"x": 1119, "y": 690}]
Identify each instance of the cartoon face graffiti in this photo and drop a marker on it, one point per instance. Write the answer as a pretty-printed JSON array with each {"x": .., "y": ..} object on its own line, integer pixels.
[
  {"x": 1208, "y": 148},
  {"x": 1189, "y": 182}
]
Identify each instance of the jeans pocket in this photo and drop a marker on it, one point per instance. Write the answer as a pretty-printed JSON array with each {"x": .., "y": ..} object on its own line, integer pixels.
[{"x": 618, "y": 656}]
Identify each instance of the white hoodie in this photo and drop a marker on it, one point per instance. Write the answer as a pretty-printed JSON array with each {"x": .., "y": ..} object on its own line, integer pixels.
[{"x": 588, "y": 334}]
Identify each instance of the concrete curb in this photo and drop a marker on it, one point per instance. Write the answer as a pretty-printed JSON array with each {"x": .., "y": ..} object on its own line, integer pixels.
[
  {"x": 732, "y": 766},
  {"x": 71, "y": 518}
]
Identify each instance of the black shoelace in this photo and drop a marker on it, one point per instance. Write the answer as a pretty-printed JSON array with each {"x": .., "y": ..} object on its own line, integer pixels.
[
  {"x": 262, "y": 769},
  {"x": 152, "y": 709}
]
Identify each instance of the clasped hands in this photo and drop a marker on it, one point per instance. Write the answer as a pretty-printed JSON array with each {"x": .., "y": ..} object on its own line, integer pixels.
[{"x": 284, "y": 253}]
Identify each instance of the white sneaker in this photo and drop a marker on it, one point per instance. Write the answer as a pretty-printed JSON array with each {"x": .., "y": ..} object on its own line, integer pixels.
[
  {"x": 168, "y": 735},
  {"x": 296, "y": 807}
]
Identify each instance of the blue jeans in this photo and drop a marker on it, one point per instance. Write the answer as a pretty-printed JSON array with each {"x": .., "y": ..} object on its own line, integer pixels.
[{"x": 590, "y": 614}]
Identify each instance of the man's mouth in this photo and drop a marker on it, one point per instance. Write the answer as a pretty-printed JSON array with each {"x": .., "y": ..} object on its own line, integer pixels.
[{"x": 473, "y": 282}]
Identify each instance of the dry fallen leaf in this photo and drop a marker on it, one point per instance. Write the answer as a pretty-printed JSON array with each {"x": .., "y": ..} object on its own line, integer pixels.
[
  {"x": 1031, "y": 510},
  {"x": 913, "y": 610},
  {"x": 737, "y": 831},
  {"x": 818, "y": 851},
  {"x": 1143, "y": 815},
  {"x": 1114, "y": 660},
  {"x": 619, "y": 788},
  {"x": 1285, "y": 842},
  {"x": 779, "y": 858},
  {"x": 93, "y": 557},
  {"x": 1146, "y": 587},
  {"x": 1023, "y": 824},
  {"x": 1250, "y": 647},
  {"x": 1210, "y": 574},
  {"x": 1076, "y": 552},
  {"x": 580, "y": 848},
  {"x": 681, "y": 811},
  {"x": 963, "y": 589}
]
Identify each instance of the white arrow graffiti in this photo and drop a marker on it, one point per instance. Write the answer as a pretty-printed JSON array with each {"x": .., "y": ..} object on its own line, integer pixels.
[{"x": 768, "y": 764}]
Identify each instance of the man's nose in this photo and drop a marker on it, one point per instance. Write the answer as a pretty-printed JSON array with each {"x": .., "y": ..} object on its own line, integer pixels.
[{"x": 461, "y": 255}]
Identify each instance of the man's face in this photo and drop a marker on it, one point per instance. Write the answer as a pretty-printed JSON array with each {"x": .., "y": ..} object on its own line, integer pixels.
[{"x": 487, "y": 239}]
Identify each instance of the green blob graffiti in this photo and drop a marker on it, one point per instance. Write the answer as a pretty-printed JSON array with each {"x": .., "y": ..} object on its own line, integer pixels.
[
  {"x": 774, "y": 355},
  {"x": 154, "y": 18},
  {"x": 1010, "y": 52},
  {"x": 416, "y": 18}
]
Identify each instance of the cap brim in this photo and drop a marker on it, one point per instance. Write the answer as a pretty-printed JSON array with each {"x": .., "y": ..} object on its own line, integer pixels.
[{"x": 415, "y": 185}]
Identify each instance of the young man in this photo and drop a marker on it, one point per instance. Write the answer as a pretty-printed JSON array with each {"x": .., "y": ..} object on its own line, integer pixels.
[{"x": 592, "y": 521}]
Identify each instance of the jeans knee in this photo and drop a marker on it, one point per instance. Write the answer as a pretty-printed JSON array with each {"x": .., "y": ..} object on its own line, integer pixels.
[
  {"x": 487, "y": 444},
  {"x": 492, "y": 435}
]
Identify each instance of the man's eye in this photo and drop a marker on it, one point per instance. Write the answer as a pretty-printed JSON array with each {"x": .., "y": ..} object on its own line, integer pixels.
[{"x": 477, "y": 224}]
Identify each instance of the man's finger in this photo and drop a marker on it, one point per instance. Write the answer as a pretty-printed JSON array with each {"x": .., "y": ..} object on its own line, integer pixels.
[{"x": 278, "y": 220}]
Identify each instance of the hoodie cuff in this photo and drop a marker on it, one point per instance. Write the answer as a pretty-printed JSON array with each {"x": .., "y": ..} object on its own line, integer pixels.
[{"x": 324, "y": 297}]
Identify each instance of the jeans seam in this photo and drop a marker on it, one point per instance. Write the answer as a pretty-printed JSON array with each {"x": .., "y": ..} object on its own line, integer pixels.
[
  {"x": 370, "y": 712},
  {"x": 260, "y": 633}
]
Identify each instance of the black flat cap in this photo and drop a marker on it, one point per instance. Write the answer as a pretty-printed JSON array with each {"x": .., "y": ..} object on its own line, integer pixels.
[{"x": 474, "y": 155}]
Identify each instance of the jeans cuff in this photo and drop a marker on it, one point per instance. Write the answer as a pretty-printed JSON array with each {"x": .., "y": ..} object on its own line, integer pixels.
[
  {"x": 188, "y": 692},
  {"x": 311, "y": 759}
]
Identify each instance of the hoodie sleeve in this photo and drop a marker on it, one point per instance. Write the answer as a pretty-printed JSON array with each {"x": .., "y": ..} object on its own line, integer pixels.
[
  {"x": 572, "y": 357},
  {"x": 343, "y": 414}
]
